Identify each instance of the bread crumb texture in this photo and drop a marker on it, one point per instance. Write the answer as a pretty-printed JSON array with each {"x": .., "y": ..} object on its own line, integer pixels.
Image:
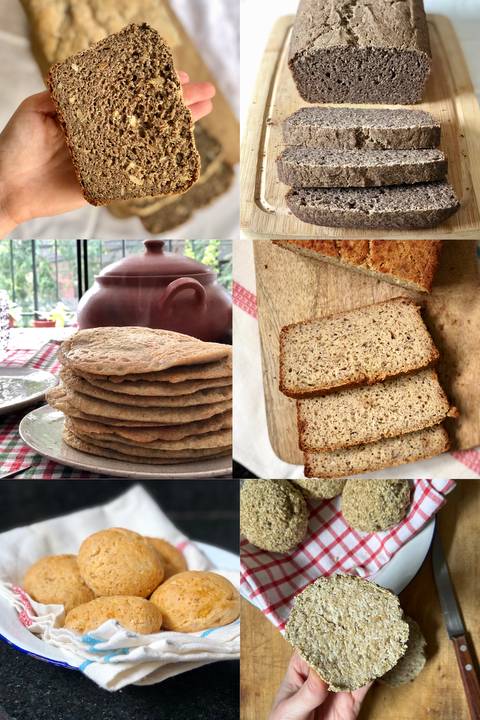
[
  {"x": 319, "y": 489},
  {"x": 349, "y": 630},
  {"x": 121, "y": 108},
  {"x": 133, "y": 613},
  {"x": 273, "y": 514},
  {"x": 194, "y": 601},
  {"x": 375, "y": 505},
  {"x": 412, "y": 663}
]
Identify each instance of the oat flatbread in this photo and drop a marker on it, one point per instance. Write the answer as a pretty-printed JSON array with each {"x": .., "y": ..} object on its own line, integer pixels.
[
  {"x": 170, "y": 416},
  {"x": 218, "y": 369},
  {"x": 78, "y": 444},
  {"x": 218, "y": 439},
  {"x": 201, "y": 397},
  {"x": 57, "y": 398},
  {"x": 158, "y": 388},
  {"x": 150, "y": 433},
  {"x": 125, "y": 350},
  {"x": 140, "y": 450}
]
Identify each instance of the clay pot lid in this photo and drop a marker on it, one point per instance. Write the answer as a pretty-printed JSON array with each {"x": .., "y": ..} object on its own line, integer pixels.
[{"x": 155, "y": 261}]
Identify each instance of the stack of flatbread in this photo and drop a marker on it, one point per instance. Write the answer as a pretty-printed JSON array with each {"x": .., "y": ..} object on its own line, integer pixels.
[{"x": 146, "y": 396}]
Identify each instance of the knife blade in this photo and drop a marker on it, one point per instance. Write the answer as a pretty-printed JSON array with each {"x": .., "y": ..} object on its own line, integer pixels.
[{"x": 455, "y": 629}]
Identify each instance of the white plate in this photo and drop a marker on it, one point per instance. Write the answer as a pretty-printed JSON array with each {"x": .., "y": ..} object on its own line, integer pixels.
[
  {"x": 20, "y": 387},
  {"x": 42, "y": 431},
  {"x": 17, "y": 635},
  {"x": 405, "y": 564}
]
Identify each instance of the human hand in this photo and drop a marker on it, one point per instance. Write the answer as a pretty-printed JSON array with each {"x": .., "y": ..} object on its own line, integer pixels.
[
  {"x": 37, "y": 178},
  {"x": 303, "y": 695}
]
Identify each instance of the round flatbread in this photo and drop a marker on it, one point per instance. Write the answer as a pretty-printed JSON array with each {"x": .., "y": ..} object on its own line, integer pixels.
[{"x": 182, "y": 373}]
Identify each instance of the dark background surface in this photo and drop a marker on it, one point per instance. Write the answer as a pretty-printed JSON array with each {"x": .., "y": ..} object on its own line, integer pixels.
[{"x": 205, "y": 510}]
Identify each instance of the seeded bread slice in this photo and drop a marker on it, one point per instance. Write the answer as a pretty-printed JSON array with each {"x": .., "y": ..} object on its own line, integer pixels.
[
  {"x": 409, "y": 263},
  {"x": 412, "y": 663},
  {"x": 363, "y": 346},
  {"x": 366, "y": 51},
  {"x": 348, "y": 128},
  {"x": 127, "y": 128},
  {"x": 394, "y": 207},
  {"x": 366, "y": 414},
  {"x": 348, "y": 629},
  {"x": 368, "y": 457},
  {"x": 318, "y": 167}
]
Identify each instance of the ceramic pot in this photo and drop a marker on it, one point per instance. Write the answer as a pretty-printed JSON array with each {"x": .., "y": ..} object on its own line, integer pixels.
[{"x": 160, "y": 290}]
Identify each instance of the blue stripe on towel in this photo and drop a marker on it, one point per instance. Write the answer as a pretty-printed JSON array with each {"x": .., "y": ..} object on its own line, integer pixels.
[
  {"x": 207, "y": 632},
  {"x": 89, "y": 640},
  {"x": 116, "y": 653},
  {"x": 85, "y": 664}
]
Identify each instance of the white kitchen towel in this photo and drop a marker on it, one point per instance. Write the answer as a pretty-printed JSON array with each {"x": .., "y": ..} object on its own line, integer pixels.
[{"x": 111, "y": 656}]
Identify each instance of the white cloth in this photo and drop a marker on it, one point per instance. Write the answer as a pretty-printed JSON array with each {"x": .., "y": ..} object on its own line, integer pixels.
[
  {"x": 252, "y": 447},
  {"x": 213, "y": 26},
  {"x": 112, "y": 656}
]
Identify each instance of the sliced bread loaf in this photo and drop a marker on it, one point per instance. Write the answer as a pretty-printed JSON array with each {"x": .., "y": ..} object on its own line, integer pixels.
[
  {"x": 409, "y": 263},
  {"x": 318, "y": 167},
  {"x": 366, "y": 345},
  {"x": 372, "y": 128},
  {"x": 395, "y": 207},
  {"x": 369, "y": 413},
  {"x": 368, "y": 457},
  {"x": 127, "y": 128},
  {"x": 367, "y": 51}
]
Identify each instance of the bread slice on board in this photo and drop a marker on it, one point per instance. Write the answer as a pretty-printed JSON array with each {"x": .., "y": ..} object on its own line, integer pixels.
[
  {"x": 368, "y": 51},
  {"x": 409, "y": 263},
  {"x": 363, "y": 346},
  {"x": 127, "y": 128},
  {"x": 370, "y": 128},
  {"x": 369, "y": 413},
  {"x": 368, "y": 457},
  {"x": 319, "y": 167},
  {"x": 394, "y": 207}
]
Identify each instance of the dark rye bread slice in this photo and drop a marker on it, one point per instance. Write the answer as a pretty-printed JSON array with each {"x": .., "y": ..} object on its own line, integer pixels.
[
  {"x": 370, "y": 128},
  {"x": 127, "y": 128},
  {"x": 300, "y": 166},
  {"x": 368, "y": 457},
  {"x": 394, "y": 207},
  {"x": 366, "y": 51},
  {"x": 369, "y": 413},
  {"x": 362, "y": 346},
  {"x": 409, "y": 263}
]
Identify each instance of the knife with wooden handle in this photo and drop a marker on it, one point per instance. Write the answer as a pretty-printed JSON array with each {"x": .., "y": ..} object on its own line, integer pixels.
[{"x": 455, "y": 629}]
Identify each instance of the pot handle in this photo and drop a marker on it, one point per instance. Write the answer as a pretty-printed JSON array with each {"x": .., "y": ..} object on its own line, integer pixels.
[{"x": 180, "y": 284}]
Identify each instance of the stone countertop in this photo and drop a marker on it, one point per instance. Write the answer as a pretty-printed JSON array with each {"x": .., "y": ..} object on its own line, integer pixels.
[{"x": 205, "y": 510}]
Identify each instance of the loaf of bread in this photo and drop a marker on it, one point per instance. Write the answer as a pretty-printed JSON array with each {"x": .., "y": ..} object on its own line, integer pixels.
[
  {"x": 369, "y": 413},
  {"x": 395, "y": 207},
  {"x": 300, "y": 166},
  {"x": 362, "y": 346},
  {"x": 373, "y": 129},
  {"x": 368, "y": 457},
  {"x": 368, "y": 51},
  {"x": 127, "y": 128},
  {"x": 409, "y": 263}
]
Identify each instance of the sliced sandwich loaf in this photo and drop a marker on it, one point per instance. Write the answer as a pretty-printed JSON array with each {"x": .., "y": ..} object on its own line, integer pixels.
[
  {"x": 366, "y": 345},
  {"x": 374, "y": 129},
  {"x": 409, "y": 263},
  {"x": 369, "y": 413}
]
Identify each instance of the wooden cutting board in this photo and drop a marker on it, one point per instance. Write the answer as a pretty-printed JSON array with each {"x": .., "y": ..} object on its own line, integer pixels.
[
  {"x": 448, "y": 96},
  {"x": 438, "y": 691},
  {"x": 291, "y": 288}
]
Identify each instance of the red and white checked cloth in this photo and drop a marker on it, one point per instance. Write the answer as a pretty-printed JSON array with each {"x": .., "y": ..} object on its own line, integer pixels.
[{"x": 272, "y": 580}]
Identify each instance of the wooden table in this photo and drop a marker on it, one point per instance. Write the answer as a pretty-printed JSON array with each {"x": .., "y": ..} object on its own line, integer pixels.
[{"x": 438, "y": 691}]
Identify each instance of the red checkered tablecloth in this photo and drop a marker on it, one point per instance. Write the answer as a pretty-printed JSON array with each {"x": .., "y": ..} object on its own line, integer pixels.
[
  {"x": 30, "y": 350},
  {"x": 272, "y": 580}
]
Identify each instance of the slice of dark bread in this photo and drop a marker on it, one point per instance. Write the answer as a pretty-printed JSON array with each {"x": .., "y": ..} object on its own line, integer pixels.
[
  {"x": 372, "y": 128},
  {"x": 127, "y": 128},
  {"x": 318, "y": 167},
  {"x": 394, "y": 207},
  {"x": 367, "y": 51}
]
